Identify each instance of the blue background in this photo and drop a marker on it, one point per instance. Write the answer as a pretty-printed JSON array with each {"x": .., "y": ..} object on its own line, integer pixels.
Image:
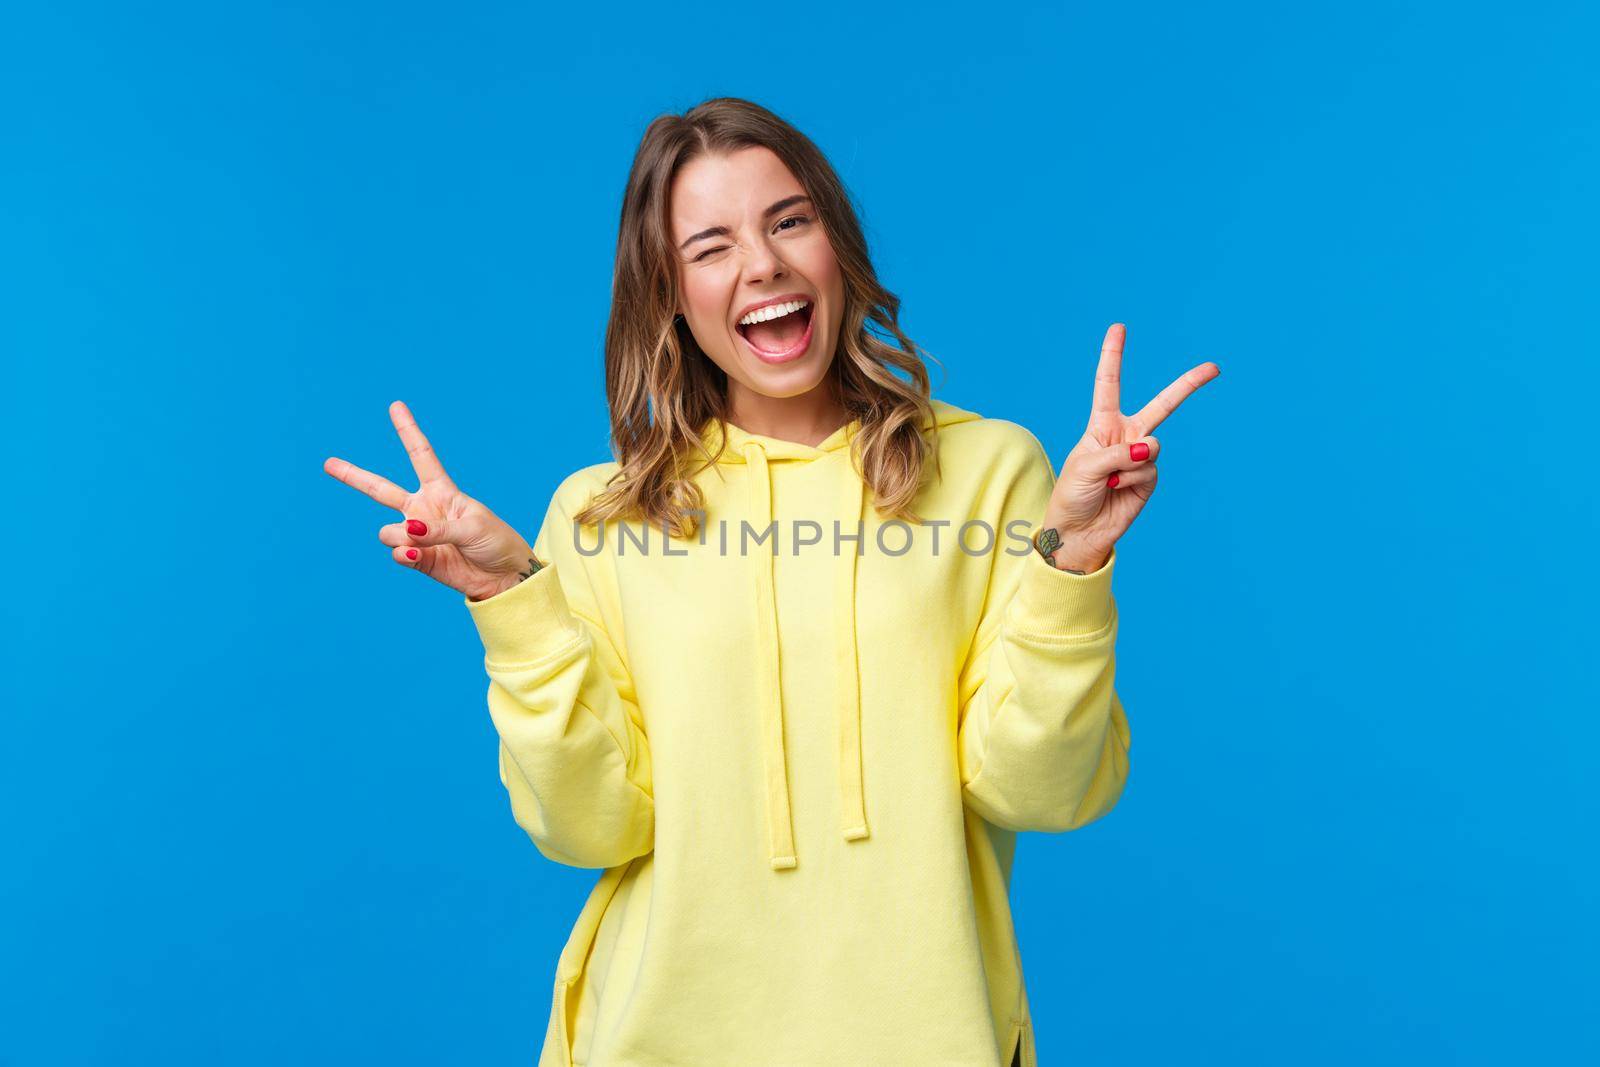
[{"x": 252, "y": 808}]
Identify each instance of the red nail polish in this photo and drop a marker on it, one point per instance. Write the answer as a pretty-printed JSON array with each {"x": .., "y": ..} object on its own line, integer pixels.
[
  {"x": 416, "y": 528},
  {"x": 412, "y": 553},
  {"x": 1112, "y": 481},
  {"x": 1138, "y": 450}
]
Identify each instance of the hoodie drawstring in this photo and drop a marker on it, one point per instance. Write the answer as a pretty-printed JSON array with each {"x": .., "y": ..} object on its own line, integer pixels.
[
  {"x": 780, "y": 830},
  {"x": 852, "y": 799}
]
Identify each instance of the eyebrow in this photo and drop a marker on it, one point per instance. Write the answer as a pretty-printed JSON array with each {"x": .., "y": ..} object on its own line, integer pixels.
[{"x": 723, "y": 231}]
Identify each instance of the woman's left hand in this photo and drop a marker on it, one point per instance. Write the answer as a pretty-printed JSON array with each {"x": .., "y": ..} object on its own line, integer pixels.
[{"x": 1111, "y": 472}]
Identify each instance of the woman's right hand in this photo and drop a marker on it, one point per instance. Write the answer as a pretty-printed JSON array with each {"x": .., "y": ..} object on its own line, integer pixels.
[{"x": 453, "y": 538}]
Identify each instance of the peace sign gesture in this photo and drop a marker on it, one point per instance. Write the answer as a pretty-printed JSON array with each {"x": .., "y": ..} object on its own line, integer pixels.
[
  {"x": 1110, "y": 474},
  {"x": 445, "y": 534}
]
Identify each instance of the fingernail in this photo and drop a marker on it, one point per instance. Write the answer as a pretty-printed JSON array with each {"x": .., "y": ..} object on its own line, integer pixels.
[
  {"x": 1138, "y": 450},
  {"x": 412, "y": 553},
  {"x": 1112, "y": 481},
  {"x": 416, "y": 528}
]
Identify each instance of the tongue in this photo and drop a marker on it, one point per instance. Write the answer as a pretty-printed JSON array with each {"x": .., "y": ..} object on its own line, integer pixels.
[{"x": 779, "y": 334}]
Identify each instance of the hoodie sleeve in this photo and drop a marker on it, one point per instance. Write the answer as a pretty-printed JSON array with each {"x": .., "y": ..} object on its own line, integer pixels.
[
  {"x": 574, "y": 757},
  {"x": 1043, "y": 738}
]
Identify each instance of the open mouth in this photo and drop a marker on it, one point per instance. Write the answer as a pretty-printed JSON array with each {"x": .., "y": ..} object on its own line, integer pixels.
[{"x": 780, "y": 335}]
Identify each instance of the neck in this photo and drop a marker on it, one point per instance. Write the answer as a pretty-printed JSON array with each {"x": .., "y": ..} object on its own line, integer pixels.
[{"x": 807, "y": 419}]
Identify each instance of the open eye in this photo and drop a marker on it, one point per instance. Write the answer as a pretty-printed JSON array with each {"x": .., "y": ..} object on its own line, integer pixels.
[{"x": 793, "y": 218}]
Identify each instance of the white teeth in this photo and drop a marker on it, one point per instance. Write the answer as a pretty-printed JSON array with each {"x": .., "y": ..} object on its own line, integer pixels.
[{"x": 773, "y": 312}]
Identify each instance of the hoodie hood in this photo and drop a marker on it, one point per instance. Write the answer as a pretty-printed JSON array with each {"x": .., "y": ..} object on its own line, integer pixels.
[{"x": 759, "y": 452}]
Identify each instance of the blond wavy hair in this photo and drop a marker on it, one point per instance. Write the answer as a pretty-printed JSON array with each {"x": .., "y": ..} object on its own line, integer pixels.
[{"x": 661, "y": 387}]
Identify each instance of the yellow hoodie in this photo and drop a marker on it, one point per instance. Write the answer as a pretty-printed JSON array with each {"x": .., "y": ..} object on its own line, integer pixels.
[{"x": 803, "y": 771}]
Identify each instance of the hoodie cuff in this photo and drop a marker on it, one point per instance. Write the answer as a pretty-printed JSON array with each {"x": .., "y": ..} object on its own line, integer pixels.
[
  {"x": 527, "y": 622},
  {"x": 1060, "y": 603}
]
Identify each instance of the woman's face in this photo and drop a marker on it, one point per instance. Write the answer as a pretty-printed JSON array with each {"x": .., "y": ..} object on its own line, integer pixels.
[{"x": 765, "y": 246}]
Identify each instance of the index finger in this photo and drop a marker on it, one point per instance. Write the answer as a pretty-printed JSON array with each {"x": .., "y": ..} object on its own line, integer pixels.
[
  {"x": 1108, "y": 375},
  {"x": 382, "y": 490},
  {"x": 423, "y": 458},
  {"x": 1166, "y": 402}
]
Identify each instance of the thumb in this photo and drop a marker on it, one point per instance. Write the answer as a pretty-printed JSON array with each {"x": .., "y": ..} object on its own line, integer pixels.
[
  {"x": 430, "y": 531},
  {"x": 1100, "y": 463}
]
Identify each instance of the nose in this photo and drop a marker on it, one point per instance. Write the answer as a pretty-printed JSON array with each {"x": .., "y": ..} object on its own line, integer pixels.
[{"x": 763, "y": 264}]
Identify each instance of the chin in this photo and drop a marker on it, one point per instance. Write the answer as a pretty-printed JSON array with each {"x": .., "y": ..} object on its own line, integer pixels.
[{"x": 783, "y": 382}]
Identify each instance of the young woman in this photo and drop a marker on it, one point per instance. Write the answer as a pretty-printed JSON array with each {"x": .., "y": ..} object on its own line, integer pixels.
[{"x": 797, "y": 667}]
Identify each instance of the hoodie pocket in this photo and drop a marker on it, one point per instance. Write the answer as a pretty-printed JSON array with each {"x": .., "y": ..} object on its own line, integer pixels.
[
  {"x": 1022, "y": 1051},
  {"x": 558, "y": 1051},
  {"x": 573, "y": 964}
]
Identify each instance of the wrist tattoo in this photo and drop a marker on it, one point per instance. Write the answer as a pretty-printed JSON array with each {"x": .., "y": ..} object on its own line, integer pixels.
[
  {"x": 534, "y": 566},
  {"x": 1047, "y": 541}
]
